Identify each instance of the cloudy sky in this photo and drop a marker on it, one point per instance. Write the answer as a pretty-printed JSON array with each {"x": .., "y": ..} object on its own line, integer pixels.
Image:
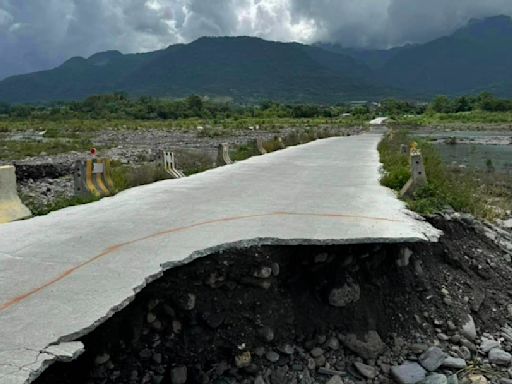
[{"x": 40, "y": 34}]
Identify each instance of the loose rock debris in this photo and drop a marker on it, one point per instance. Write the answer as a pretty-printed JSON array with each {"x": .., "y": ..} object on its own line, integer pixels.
[{"x": 272, "y": 315}]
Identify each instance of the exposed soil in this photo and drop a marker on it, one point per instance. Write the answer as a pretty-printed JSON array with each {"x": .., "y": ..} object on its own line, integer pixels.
[{"x": 305, "y": 314}]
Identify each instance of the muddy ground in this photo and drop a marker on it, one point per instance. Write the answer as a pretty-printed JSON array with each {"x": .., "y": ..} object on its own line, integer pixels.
[{"x": 314, "y": 314}]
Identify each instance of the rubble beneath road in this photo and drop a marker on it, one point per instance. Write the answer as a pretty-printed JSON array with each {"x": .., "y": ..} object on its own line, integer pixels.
[{"x": 316, "y": 314}]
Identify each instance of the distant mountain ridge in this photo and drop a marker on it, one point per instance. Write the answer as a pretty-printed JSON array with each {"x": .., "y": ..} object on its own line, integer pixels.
[
  {"x": 475, "y": 58},
  {"x": 243, "y": 68}
]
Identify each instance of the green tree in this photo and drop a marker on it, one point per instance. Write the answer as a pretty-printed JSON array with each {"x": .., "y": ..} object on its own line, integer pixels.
[
  {"x": 194, "y": 103},
  {"x": 441, "y": 104}
]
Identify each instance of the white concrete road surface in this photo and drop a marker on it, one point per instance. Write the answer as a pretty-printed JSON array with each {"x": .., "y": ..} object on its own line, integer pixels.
[{"x": 64, "y": 273}]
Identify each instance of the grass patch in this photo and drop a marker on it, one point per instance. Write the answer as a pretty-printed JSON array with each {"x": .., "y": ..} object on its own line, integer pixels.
[
  {"x": 125, "y": 176},
  {"x": 460, "y": 190},
  {"x": 70, "y": 127},
  {"x": 474, "y": 120},
  {"x": 38, "y": 209},
  {"x": 15, "y": 150},
  {"x": 244, "y": 151},
  {"x": 272, "y": 145}
]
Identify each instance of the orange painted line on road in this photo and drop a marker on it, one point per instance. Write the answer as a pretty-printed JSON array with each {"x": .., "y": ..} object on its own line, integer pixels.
[{"x": 18, "y": 299}]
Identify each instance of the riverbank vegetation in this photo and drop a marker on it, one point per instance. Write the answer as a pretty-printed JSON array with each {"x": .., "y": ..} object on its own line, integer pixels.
[
  {"x": 118, "y": 111},
  {"x": 484, "y": 194}
]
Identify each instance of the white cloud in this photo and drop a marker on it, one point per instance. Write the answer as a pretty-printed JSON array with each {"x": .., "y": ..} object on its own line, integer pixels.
[{"x": 39, "y": 34}]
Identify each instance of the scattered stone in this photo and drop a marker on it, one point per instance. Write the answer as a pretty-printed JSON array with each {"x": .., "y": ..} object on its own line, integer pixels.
[
  {"x": 333, "y": 343},
  {"x": 451, "y": 326},
  {"x": 321, "y": 258},
  {"x": 259, "y": 380},
  {"x": 287, "y": 349},
  {"x": 243, "y": 360},
  {"x": 465, "y": 353},
  {"x": 214, "y": 320},
  {"x": 505, "y": 381},
  {"x": 335, "y": 380},
  {"x": 317, "y": 352},
  {"x": 145, "y": 354},
  {"x": 102, "y": 359},
  {"x": 408, "y": 373},
  {"x": 443, "y": 337},
  {"x": 435, "y": 378},
  {"x": 275, "y": 269},
  {"x": 499, "y": 357},
  {"x": 329, "y": 372},
  {"x": 157, "y": 358},
  {"x": 179, "y": 375},
  {"x": 366, "y": 370},
  {"x": 453, "y": 379},
  {"x": 468, "y": 344},
  {"x": 403, "y": 257},
  {"x": 157, "y": 324},
  {"x": 418, "y": 348},
  {"x": 151, "y": 317},
  {"x": 320, "y": 361},
  {"x": 272, "y": 356},
  {"x": 263, "y": 273},
  {"x": 455, "y": 339},
  {"x": 188, "y": 301},
  {"x": 477, "y": 379},
  {"x": 370, "y": 348},
  {"x": 488, "y": 344},
  {"x": 385, "y": 368},
  {"x": 176, "y": 326},
  {"x": 266, "y": 333},
  {"x": 469, "y": 329},
  {"x": 507, "y": 332},
  {"x": 454, "y": 363},
  {"x": 349, "y": 293},
  {"x": 321, "y": 339},
  {"x": 432, "y": 358},
  {"x": 279, "y": 375}
]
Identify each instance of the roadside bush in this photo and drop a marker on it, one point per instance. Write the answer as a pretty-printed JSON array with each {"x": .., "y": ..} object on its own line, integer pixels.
[
  {"x": 125, "y": 176},
  {"x": 446, "y": 188}
]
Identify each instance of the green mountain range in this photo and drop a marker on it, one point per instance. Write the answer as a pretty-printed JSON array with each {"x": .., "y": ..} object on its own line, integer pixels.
[{"x": 475, "y": 58}]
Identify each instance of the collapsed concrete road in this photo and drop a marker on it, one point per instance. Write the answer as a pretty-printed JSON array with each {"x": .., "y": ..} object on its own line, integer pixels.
[{"x": 65, "y": 273}]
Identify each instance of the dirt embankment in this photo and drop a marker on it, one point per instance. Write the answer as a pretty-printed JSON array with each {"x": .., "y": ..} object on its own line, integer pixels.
[{"x": 314, "y": 315}]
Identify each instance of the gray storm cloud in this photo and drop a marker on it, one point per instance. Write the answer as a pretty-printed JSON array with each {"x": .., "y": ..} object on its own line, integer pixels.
[{"x": 40, "y": 34}]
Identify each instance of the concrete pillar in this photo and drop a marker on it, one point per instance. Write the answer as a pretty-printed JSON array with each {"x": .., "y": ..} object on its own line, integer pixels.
[
  {"x": 92, "y": 178},
  {"x": 223, "y": 155},
  {"x": 169, "y": 165},
  {"x": 280, "y": 142},
  {"x": 258, "y": 143},
  {"x": 418, "y": 175},
  {"x": 11, "y": 207}
]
